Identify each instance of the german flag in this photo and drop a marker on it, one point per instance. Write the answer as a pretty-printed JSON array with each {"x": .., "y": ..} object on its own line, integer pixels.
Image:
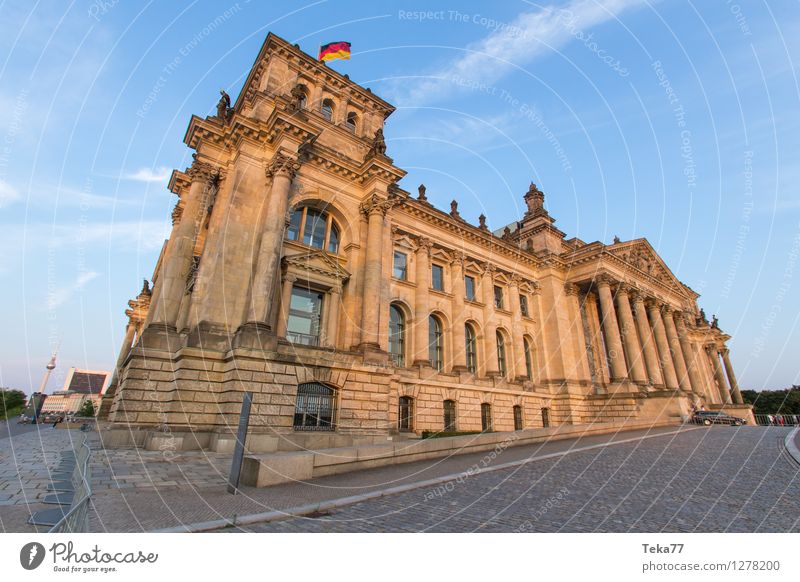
[{"x": 334, "y": 50}]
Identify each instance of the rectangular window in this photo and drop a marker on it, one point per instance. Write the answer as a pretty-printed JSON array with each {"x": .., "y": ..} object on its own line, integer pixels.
[
  {"x": 498, "y": 297},
  {"x": 469, "y": 288},
  {"x": 523, "y": 305},
  {"x": 400, "y": 266},
  {"x": 437, "y": 277},
  {"x": 305, "y": 311}
]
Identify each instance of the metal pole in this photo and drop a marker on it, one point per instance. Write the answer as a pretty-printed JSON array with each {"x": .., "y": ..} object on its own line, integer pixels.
[{"x": 241, "y": 436}]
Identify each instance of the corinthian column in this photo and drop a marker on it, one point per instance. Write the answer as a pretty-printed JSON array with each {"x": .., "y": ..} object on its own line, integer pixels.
[
  {"x": 660, "y": 335},
  {"x": 576, "y": 330},
  {"x": 423, "y": 270},
  {"x": 282, "y": 170},
  {"x": 736, "y": 393},
  {"x": 489, "y": 323},
  {"x": 688, "y": 354},
  {"x": 375, "y": 210},
  {"x": 632, "y": 345},
  {"x": 648, "y": 342},
  {"x": 676, "y": 351},
  {"x": 613, "y": 342},
  {"x": 517, "y": 352},
  {"x": 719, "y": 375},
  {"x": 177, "y": 263},
  {"x": 459, "y": 339}
]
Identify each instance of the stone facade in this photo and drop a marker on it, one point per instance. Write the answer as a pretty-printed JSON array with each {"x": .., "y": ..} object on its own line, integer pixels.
[{"x": 296, "y": 259}]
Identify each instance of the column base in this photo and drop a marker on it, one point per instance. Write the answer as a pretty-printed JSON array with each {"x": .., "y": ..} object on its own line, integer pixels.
[
  {"x": 255, "y": 335},
  {"x": 372, "y": 353},
  {"x": 422, "y": 364},
  {"x": 161, "y": 336},
  {"x": 208, "y": 336}
]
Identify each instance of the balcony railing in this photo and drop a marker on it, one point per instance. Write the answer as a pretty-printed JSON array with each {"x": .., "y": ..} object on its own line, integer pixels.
[{"x": 303, "y": 339}]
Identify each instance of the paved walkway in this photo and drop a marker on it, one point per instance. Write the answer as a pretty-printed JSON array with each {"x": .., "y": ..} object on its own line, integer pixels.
[
  {"x": 163, "y": 507},
  {"x": 720, "y": 479},
  {"x": 660, "y": 483}
]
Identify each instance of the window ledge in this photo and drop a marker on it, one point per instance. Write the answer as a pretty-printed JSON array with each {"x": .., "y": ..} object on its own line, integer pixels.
[{"x": 443, "y": 293}]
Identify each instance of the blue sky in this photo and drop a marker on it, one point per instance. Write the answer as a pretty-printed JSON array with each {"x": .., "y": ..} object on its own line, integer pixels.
[{"x": 670, "y": 120}]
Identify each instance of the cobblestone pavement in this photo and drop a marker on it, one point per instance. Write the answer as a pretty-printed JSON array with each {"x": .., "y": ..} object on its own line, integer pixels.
[
  {"x": 143, "y": 509},
  {"x": 712, "y": 480}
]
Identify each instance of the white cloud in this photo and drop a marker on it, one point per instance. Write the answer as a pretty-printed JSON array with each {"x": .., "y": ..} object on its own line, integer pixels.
[
  {"x": 8, "y": 194},
  {"x": 58, "y": 297},
  {"x": 160, "y": 174},
  {"x": 529, "y": 36}
]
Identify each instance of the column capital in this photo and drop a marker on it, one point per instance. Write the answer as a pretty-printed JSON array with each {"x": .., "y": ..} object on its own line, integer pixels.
[
  {"x": 423, "y": 245},
  {"x": 516, "y": 280},
  {"x": 623, "y": 288},
  {"x": 636, "y": 296},
  {"x": 336, "y": 289},
  {"x": 603, "y": 280},
  {"x": 282, "y": 164},
  {"x": 290, "y": 278},
  {"x": 571, "y": 289},
  {"x": 666, "y": 309},
  {"x": 203, "y": 171},
  {"x": 489, "y": 269},
  {"x": 653, "y": 304},
  {"x": 378, "y": 205}
]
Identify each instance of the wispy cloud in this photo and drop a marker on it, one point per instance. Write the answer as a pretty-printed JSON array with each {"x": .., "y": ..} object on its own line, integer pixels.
[
  {"x": 8, "y": 194},
  {"x": 149, "y": 175},
  {"x": 59, "y": 296},
  {"x": 529, "y": 36}
]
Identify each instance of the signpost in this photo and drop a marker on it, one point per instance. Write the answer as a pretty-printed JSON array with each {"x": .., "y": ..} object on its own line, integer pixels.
[{"x": 241, "y": 436}]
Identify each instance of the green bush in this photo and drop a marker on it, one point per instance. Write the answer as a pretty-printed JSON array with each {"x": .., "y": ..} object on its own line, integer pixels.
[{"x": 12, "y": 403}]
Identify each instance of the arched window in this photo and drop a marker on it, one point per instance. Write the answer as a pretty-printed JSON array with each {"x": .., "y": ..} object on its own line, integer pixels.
[
  {"x": 435, "y": 343},
  {"x": 315, "y": 408},
  {"x": 314, "y": 228},
  {"x": 486, "y": 417},
  {"x": 501, "y": 354},
  {"x": 470, "y": 346},
  {"x": 405, "y": 418},
  {"x": 350, "y": 122},
  {"x": 517, "y": 417},
  {"x": 528, "y": 358},
  {"x": 397, "y": 336},
  {"x": 327, "y": 109},
  {"x": 449, "y": 415},
  {"x": 545, "y": 417}
]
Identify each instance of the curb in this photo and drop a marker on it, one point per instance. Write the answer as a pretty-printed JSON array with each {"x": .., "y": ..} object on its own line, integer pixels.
[
  {"x": 302, "y": 510},
  {"x": 790, "y": 445}
]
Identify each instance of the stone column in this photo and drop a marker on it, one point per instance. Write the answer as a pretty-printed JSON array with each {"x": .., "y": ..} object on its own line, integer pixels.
[
  {"x": 282, "y": 170},
  {"x": 516, "y": 352},
  {"x": 629, "y": 336},
  {"x": 581, "y": 368},
  {"x": 375, "y": 210},
  {"x": 334, "y": 299},
  {"x": 489, "y": 323},
  {"x": 648, "y": 342},
  {"x": 178, "y": 261},
  {"x": 719, "y": 375},
  {"x": 459, "y": 319},
  {"x": 735, "y": 392},
  {"x": 688, "y": 354},
  {"x": 675, "y": 349},
  {"x": 286, "y": 300},
  {"x": 421, "y": 302},
  {"x": 660, "y": 335},
  {"x": 613, "y": 342},
  {"x": 601, "y": 363}
]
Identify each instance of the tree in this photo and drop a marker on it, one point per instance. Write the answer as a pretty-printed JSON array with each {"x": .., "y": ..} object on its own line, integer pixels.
[
  {"x": 12, "y": 402},
  {"x": 87, "y": 408},
  {"x": 774, "y": 401}
]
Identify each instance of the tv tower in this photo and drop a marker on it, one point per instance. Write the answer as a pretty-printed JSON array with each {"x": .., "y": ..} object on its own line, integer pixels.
[{"x": 51, "y": 365}]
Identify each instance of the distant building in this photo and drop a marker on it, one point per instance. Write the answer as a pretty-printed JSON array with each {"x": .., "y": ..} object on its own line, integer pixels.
[
  {"x": 86, "y": 381},
  {"x": 34, "y": 407}
]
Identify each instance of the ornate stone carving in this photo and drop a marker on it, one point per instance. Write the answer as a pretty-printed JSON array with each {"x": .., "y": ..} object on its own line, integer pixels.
[
  {"x": 714, "y": 322},
  {"x": 378, "y": 145},
  {"x": 482, "y": 222},
  {"x": 377, "y": 204},
  {"x": 282, "y": 164},
  {"x": 534, "y": 199},
  {"x": 602, "y": 280},
  {"x": 203, "y": 171},
  {"x": 298, "y": 96},
  {"x": 191, "y": 276},
  {"x": 224, "y": 109},
  {"x": 421, "y": 190},
  {"x": 571, "y": 289},
  {"x": 177, "y": 212},
  {"x": 454, "y": 210},
  {"x": 145, "y": 289}
]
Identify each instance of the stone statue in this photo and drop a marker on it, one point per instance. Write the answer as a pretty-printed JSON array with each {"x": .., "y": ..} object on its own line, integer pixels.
[
  {"x": 616, "y": 240},
  {"x": 482, "y": 222},
  {"x": 223, "y": 105},
  {"x": 454, "y": 209},
  {"x": 421, "y": 191},
  {"x": 378, "y": 146},
  {"x": 714, "y": 322},
  {"x": 298, "y": 94}
]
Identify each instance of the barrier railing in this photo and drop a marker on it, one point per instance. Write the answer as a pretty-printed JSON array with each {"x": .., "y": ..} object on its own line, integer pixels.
[
  {"x": 76, "y": 520},
  {"x": 777, "y": 419}
]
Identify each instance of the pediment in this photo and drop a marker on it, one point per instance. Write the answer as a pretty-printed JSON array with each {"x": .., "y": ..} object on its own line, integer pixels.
[
  {"x": 639, "y": 255},
  {"x": 319, "y": 262}
]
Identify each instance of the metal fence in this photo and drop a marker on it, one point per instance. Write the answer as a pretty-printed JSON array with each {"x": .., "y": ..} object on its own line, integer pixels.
[
  {"x": 76, "y": 520},
  {"x": 777, "y": 419}
]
